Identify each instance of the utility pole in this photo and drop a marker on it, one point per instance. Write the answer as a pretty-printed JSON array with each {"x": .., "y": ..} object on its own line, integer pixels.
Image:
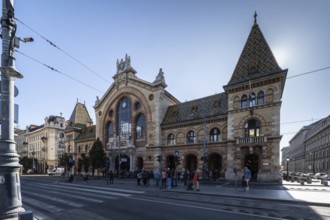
[{"x": 10, "y": 188}]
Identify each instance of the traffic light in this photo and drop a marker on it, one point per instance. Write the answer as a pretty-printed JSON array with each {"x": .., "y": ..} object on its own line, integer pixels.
[
  {"x": 202, "y": 158},
  {"x": 159, "y": 159}
]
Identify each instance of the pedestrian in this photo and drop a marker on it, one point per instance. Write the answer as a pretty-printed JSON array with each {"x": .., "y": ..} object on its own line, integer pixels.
[
  {"x": 196, "y": 180},
  {"x": 247, "y": 177},
  {"x": 139, "y": 177},
  {"x": 164, "y": 177},
  {"x": 169, "y": 178},
  {"x": 111, "y": 175},
  {"x": 145, "y": 177},
  {"x": 185, "y": 177},
  {"x": 157, "y": 178}
]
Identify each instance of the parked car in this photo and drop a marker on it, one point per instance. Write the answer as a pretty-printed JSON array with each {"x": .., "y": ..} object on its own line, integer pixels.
[
  {"x": 56, "y": 171},
  {"x": 30, "y": 171},
  {"x": 319, "y": 175}
]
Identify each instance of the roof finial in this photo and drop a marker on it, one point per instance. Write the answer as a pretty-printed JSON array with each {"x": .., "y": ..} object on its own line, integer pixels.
[{"x": 255, "y": 17}]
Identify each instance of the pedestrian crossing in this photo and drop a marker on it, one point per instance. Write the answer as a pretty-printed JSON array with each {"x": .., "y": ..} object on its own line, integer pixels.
[{"x": 45, "y": 199}]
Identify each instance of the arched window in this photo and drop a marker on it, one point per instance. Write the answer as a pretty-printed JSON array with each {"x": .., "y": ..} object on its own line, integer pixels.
[
  {"x": 252, "y": 99},
  {"x": 124, "y": 118},
  {"x": 191, "y": 137},
  {"x": 110, "y": 130},
  {"x": 260, "y": 98},
  {"x": 170, "y": 139},
  {"x": 140, "y": 126},
  {"x": 244, "y": 101},
  {"x": 215, "y": 135},
  {"x": 252, "y": 128}
]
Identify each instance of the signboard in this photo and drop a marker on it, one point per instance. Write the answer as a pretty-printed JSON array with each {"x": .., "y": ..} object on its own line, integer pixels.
[
  {"x": 123, "y": 160},
  {"x": 266, "y": 164},
  {"x": 15, "y": 112}
]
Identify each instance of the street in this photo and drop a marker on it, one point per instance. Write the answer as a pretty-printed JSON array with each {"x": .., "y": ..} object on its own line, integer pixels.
[{"x": 52, "y": 198}]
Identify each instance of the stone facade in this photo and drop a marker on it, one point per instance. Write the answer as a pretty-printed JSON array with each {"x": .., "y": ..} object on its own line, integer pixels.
[
  {"x": 43, "y": 143},
  {"x": 139, "y": 122},
  {"x": 309, "y": 149}
]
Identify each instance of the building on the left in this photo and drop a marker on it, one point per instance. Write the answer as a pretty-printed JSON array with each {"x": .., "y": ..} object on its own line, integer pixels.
[{"x": 43, "y": 143}]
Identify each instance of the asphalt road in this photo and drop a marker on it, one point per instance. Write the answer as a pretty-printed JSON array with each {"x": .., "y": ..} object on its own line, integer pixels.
[{"x": 48, "y": 198}]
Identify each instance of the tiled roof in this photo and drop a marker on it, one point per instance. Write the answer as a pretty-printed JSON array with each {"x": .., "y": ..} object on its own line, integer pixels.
[
  {"x": 209, "y": 106},
  {"x": 87, "y": 133},
  {"x": 256, "y": 59},
  {"x": 79, "y": 117}
]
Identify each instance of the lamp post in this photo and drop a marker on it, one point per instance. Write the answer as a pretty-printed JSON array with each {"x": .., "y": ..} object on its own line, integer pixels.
[
  {"x": 287, "y": 168},
  {"x": 11, "y": 199},
  {"x": 313, "y": 160},
  {"x": 45, "y": 152}
]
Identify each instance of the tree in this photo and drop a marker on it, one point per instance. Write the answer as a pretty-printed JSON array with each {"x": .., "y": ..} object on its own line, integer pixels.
[
  {"x": 97, "y": 155},
  {"x": 80, "y": 164},
  {"x": 85, "y": 162},
  {"x": 26, "y": 163}
]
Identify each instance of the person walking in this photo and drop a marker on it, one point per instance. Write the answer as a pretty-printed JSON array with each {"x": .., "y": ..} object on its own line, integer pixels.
[
  {"x": 164, "y": 177},
  {"x": 196, "y": 180},
  {"x": 247, "y": 177},
  {"x": 185, "y": 178},
  {"x": 111, "y": 175}
]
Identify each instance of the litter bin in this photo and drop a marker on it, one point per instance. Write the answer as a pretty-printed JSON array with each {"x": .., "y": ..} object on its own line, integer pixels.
[{"x": 309, "y": 179}]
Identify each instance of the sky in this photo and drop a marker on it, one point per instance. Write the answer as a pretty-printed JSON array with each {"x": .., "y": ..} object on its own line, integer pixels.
[{"x": 197, "y": 43}]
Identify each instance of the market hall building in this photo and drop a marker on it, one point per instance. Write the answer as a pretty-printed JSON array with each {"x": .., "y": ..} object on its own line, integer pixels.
[{"x": 140, "y": 122}]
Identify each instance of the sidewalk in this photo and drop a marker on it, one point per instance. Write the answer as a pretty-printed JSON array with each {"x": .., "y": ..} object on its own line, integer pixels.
[{"x": 315, "y": 193}]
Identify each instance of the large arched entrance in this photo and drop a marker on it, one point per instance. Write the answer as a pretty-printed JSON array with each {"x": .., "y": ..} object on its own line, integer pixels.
[
  {"x": 190, "y": 162},
  {"x": 170, "y": 163},
  {"x": 252, "y": 161},
  {"x": 214, "y": 164},
  {"x": 122, "y": 164}
]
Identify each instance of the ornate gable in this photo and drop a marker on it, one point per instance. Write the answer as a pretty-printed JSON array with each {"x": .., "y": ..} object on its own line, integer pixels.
[{"x": 256, "y": 59}]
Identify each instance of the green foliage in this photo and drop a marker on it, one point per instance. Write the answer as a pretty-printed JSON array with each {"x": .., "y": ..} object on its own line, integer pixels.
[
  {"x": 26, "y": 163},
  {"x": 85, "y": 162},
  {"x": 97, "y": 155}
]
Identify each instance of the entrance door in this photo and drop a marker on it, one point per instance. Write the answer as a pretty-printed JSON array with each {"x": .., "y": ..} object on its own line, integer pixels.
[
  {"x": 214, "y": 165},
  {"x": 252, "y": 161},
  {"x": 139, "y": 163},
  {"x": 191, "y": 162}
]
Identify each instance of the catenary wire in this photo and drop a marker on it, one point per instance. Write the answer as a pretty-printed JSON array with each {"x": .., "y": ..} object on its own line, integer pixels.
[
  {"x": 66, "y": 53},
  {"x": 55, "y": 70},
  {"x": 63, "y": 51},
  {"x": 313, "y": 71}
]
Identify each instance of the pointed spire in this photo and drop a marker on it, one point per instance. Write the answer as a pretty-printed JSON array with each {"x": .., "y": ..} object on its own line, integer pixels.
[{"x": 256, "y": 58}]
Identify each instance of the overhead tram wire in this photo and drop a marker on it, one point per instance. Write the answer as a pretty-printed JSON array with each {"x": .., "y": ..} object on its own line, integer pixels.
[
  {"x": 63, "y": 51},
  {"x": 55, "y": 70},
  {"x": 313, "y": 71}
]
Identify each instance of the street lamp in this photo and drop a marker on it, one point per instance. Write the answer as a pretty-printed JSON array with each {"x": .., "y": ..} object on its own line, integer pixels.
[
  {"x": 313, "y": 161},
  {"x": 287, "y": 168},
  {"x": 45, "y": 152}
]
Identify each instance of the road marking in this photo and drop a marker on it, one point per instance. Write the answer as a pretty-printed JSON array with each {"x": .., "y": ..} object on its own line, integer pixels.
[
  {"x": 42, "y": 205},
  {"x": 36, "y": 214},
  {"x": 105, "y": 188},
  {"x": 64, "y": 201},
  {"x": 205, "y": 208},
  {"x": 68, "y": 194},
  {"x": 101, "y": 189}
]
